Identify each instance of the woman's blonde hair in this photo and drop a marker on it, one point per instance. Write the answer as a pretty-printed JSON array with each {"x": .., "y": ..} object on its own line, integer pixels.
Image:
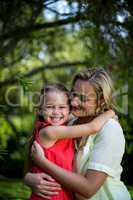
[{"x": 102, "y": 84}]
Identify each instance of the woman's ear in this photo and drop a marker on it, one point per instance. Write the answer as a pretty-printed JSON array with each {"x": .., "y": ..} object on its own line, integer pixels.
[
  {"x": 100, "y": 106},
  {"x": 102, "y": 101},
  {"x": 103, "y": 105}
]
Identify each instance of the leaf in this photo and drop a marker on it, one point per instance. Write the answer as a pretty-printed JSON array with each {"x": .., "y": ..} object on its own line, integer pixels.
[
  {"x": 26, "y": 84},
  {"x": 3, "y": 151}
]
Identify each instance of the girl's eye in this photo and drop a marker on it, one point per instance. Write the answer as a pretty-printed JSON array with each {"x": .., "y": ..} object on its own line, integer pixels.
[
  {"x": 62, "y": 107},
  {"x": 53, "y": 107},
  {"x": 49, "y": 107}
]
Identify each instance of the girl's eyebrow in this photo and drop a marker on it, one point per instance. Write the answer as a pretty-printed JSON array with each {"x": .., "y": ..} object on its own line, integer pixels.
[{"x": 56, "y": 105}]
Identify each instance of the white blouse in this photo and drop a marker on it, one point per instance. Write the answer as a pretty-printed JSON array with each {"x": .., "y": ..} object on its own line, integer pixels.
[{"x": 103, "y": 152}]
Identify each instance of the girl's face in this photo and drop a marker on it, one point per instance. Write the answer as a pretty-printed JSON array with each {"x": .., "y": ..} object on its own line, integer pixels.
[
  {"x": 83, "y": 99},
  {"x": 56, "y": 108}
]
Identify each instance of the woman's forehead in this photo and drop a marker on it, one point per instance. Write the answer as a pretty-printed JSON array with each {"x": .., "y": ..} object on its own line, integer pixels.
[{"x": 83, "y": 87}]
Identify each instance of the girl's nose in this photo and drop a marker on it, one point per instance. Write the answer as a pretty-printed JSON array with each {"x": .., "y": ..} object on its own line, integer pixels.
[{"x": 56, "y": 110}]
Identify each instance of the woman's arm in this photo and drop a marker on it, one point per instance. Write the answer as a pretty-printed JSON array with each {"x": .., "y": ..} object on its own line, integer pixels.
[
  {"x": 42, "y": 184},
  {"x": 86, "y": 186},
  {"x": 59, "y": 132}
]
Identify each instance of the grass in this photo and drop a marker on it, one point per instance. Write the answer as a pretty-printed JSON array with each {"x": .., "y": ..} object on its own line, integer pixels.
[{"x": 11, "y": 189}]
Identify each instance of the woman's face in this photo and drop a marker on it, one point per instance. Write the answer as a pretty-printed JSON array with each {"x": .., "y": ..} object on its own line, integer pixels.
[{"x": 83, "y": 99}]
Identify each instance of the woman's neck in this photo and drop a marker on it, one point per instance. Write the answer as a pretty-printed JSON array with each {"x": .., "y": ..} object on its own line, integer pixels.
[{"x": 82, "y": 120}]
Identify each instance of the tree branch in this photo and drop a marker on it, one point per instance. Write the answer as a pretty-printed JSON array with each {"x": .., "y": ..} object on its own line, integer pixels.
[
  {"x": 23, "y": 31},
  {"x": 42, "y": 68}
]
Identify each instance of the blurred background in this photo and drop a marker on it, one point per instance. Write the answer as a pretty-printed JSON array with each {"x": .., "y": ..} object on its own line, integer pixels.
[{"x": 52, "y": 40}]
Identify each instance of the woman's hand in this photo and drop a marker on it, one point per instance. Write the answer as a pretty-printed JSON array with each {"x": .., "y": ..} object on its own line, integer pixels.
[
  {"x": 42, "y": 184},
  {"x": 37, "y": 152}
]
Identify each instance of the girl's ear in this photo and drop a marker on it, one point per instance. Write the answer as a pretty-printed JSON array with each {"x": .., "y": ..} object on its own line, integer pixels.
[{"x": 40, "y": 114}]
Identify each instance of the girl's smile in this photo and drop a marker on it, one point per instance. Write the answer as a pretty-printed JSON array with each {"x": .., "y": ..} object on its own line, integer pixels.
[{"x": 56, "y": 108}]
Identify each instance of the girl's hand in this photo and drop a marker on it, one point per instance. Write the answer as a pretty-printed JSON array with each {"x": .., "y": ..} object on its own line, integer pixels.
[
  {"x": 42, "y": 184},
  {"x": 100, "y": 120},
  {"x": 37, "y": 152},
  {"x": 111, "y": 114}
]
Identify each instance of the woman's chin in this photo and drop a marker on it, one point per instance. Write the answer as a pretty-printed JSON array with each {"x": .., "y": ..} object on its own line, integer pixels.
[
  {"x": 82, "y": 114},
  {"x": 79, "y": 113}
]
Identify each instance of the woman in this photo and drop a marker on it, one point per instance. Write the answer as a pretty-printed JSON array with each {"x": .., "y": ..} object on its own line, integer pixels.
[{"x": 98, "y": 157}]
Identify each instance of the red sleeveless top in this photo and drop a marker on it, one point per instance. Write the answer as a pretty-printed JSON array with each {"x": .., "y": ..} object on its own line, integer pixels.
[{"x": 62, "y": 154}]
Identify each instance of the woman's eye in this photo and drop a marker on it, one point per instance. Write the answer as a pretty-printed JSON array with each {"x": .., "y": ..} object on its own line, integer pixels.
[{"x": 83, "y": 98}]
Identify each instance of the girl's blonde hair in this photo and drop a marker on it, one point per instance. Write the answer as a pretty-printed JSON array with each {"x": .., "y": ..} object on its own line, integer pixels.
[{"x": 102, "y": 84}]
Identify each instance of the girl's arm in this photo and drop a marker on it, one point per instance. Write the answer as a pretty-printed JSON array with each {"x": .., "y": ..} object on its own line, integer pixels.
[
  {"x": 60, "y": 132},
  {"x": 86, "y": 186}
]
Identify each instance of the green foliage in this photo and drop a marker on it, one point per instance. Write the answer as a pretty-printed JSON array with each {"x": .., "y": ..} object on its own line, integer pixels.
[
  {"x": 13, "y": 189},
  {"x": 3, "y": 152},
  {"x": 5, "y": 131},
  {"x": 130, "y": 188},
  {"x": 25, "y": 83}
]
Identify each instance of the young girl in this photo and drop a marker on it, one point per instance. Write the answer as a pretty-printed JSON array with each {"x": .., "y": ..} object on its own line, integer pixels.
[
  {"x": 99, "y": 156},
  {"x": 54, "y": 110}
]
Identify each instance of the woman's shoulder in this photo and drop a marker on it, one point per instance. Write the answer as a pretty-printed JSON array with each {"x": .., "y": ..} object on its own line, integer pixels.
[
  {"x": 111, "y": 136},
  {"x": 112, "y": 124},
  {"x": 112, "y": 129}
]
